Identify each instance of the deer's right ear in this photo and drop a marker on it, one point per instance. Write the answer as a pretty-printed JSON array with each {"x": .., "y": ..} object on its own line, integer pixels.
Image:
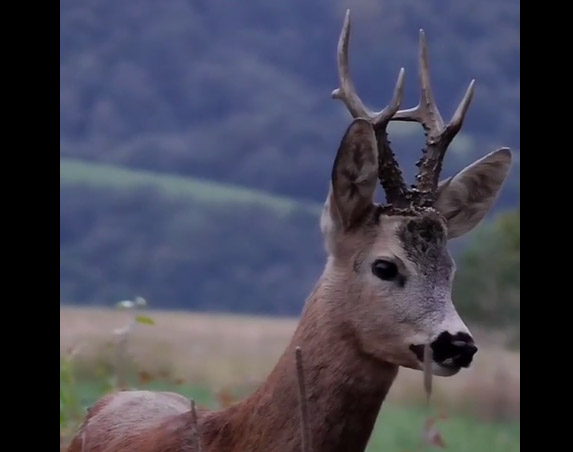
[
  {"x": 466, "y": 198},
  {"x": 354, "y": 177}
]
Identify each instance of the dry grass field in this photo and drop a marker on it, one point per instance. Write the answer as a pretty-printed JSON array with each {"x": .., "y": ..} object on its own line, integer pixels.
[{"x": 220, "y": 351}]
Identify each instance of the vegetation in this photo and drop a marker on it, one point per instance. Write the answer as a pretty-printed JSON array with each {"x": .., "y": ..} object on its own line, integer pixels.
[
  {"x": 184, "y": 253},
  {"x": 239, "y": 92},
  {"x": 236, "y": 352},
  {"x": 398, "y": 429},
  {"x": 488, "y": 284},
  {"x": 74, "y": 172}
]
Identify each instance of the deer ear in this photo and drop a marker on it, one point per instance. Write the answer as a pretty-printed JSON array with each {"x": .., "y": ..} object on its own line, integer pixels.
[
  {"x": 466, "y": 198},
  {"x": 354, "y": 176}
]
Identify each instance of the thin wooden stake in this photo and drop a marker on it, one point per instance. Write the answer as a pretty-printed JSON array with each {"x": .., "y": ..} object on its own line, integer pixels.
[
  {"x": 303, "y": 402},
  {"x": 194, "y": 423},
  {"x": 428, "y": 357}
]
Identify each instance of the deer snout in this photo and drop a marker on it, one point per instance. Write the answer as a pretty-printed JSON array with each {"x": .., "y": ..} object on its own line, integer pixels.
[
  {"x": 449, "y": 351},
  {"x": 454, "y": 351}
]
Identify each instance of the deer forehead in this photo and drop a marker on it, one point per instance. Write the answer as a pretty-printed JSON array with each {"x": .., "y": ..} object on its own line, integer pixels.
[{"x": 418, "y": 240}]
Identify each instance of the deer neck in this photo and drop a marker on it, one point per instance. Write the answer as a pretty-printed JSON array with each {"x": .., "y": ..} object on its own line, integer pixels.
[{"x": 345, "y": 390}]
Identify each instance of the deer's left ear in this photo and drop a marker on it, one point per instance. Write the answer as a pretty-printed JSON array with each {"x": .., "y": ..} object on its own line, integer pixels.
[
  {"x": 354, "y": 175},
  {"x": 466, "y": 198}
]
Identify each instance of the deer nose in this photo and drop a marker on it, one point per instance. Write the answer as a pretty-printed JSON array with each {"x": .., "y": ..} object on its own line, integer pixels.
[{"x": 454, "y": 350}]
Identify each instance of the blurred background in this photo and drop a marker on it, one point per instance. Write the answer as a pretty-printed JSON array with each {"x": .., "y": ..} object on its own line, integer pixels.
[{"x": 196, "y": 143}]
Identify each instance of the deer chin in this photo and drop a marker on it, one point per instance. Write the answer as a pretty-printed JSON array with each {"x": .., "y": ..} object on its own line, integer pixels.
[
  {"x": 441, "y": 370},
  {"x": 438, "y": 370}
]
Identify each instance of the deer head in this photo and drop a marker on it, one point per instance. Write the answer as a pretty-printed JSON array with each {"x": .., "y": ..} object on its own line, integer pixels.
[{"x": 389, "y": 264}]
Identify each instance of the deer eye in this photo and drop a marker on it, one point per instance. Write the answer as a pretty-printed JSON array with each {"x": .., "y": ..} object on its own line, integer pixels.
[{"x": 386, "y": 270}]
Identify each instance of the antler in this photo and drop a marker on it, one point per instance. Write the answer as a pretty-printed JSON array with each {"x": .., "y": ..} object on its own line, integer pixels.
[
  {"x": 388, "y": 170},
  {"x": 438, "y": 135}
]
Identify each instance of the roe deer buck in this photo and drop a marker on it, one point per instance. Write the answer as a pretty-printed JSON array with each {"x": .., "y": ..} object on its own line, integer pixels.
[{"x": 384, "y": 294}]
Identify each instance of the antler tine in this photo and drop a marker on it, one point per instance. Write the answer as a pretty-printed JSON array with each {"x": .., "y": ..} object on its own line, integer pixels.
[
  {"x": 426, "y": 112},
  {"x": 347, "y": 93},
  {"x": 388, "y": 169},
  {"x": 458, "y": 117},
  {"x": 384, "y": 116},
  {"x": 439, "y": 136}
]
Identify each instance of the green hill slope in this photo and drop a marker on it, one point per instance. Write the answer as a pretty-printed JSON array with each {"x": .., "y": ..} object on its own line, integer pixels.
[{"x": 74, "y": 171}]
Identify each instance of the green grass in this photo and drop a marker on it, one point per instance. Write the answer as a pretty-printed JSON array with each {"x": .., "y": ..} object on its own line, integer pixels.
[
  {"x": 399, "y": 427},
  {"x": 73, "y": 171}
]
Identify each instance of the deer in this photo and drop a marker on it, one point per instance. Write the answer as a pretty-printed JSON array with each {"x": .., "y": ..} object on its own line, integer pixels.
[{"x": 383, "y": 298}]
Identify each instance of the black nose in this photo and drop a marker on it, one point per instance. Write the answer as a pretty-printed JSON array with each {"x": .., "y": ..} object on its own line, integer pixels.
[{"x": 457, "y": 350}]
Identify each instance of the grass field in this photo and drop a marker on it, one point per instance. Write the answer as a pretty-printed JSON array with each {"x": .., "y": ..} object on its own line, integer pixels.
[
  {"x": 207, "y": 356},
  {"x": 73, "y": 171}
]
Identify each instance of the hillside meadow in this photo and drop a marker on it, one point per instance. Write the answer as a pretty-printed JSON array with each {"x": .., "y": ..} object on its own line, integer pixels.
[
  {"x": 217, "y": 359},
  {"x": 99, "y": 175}
]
